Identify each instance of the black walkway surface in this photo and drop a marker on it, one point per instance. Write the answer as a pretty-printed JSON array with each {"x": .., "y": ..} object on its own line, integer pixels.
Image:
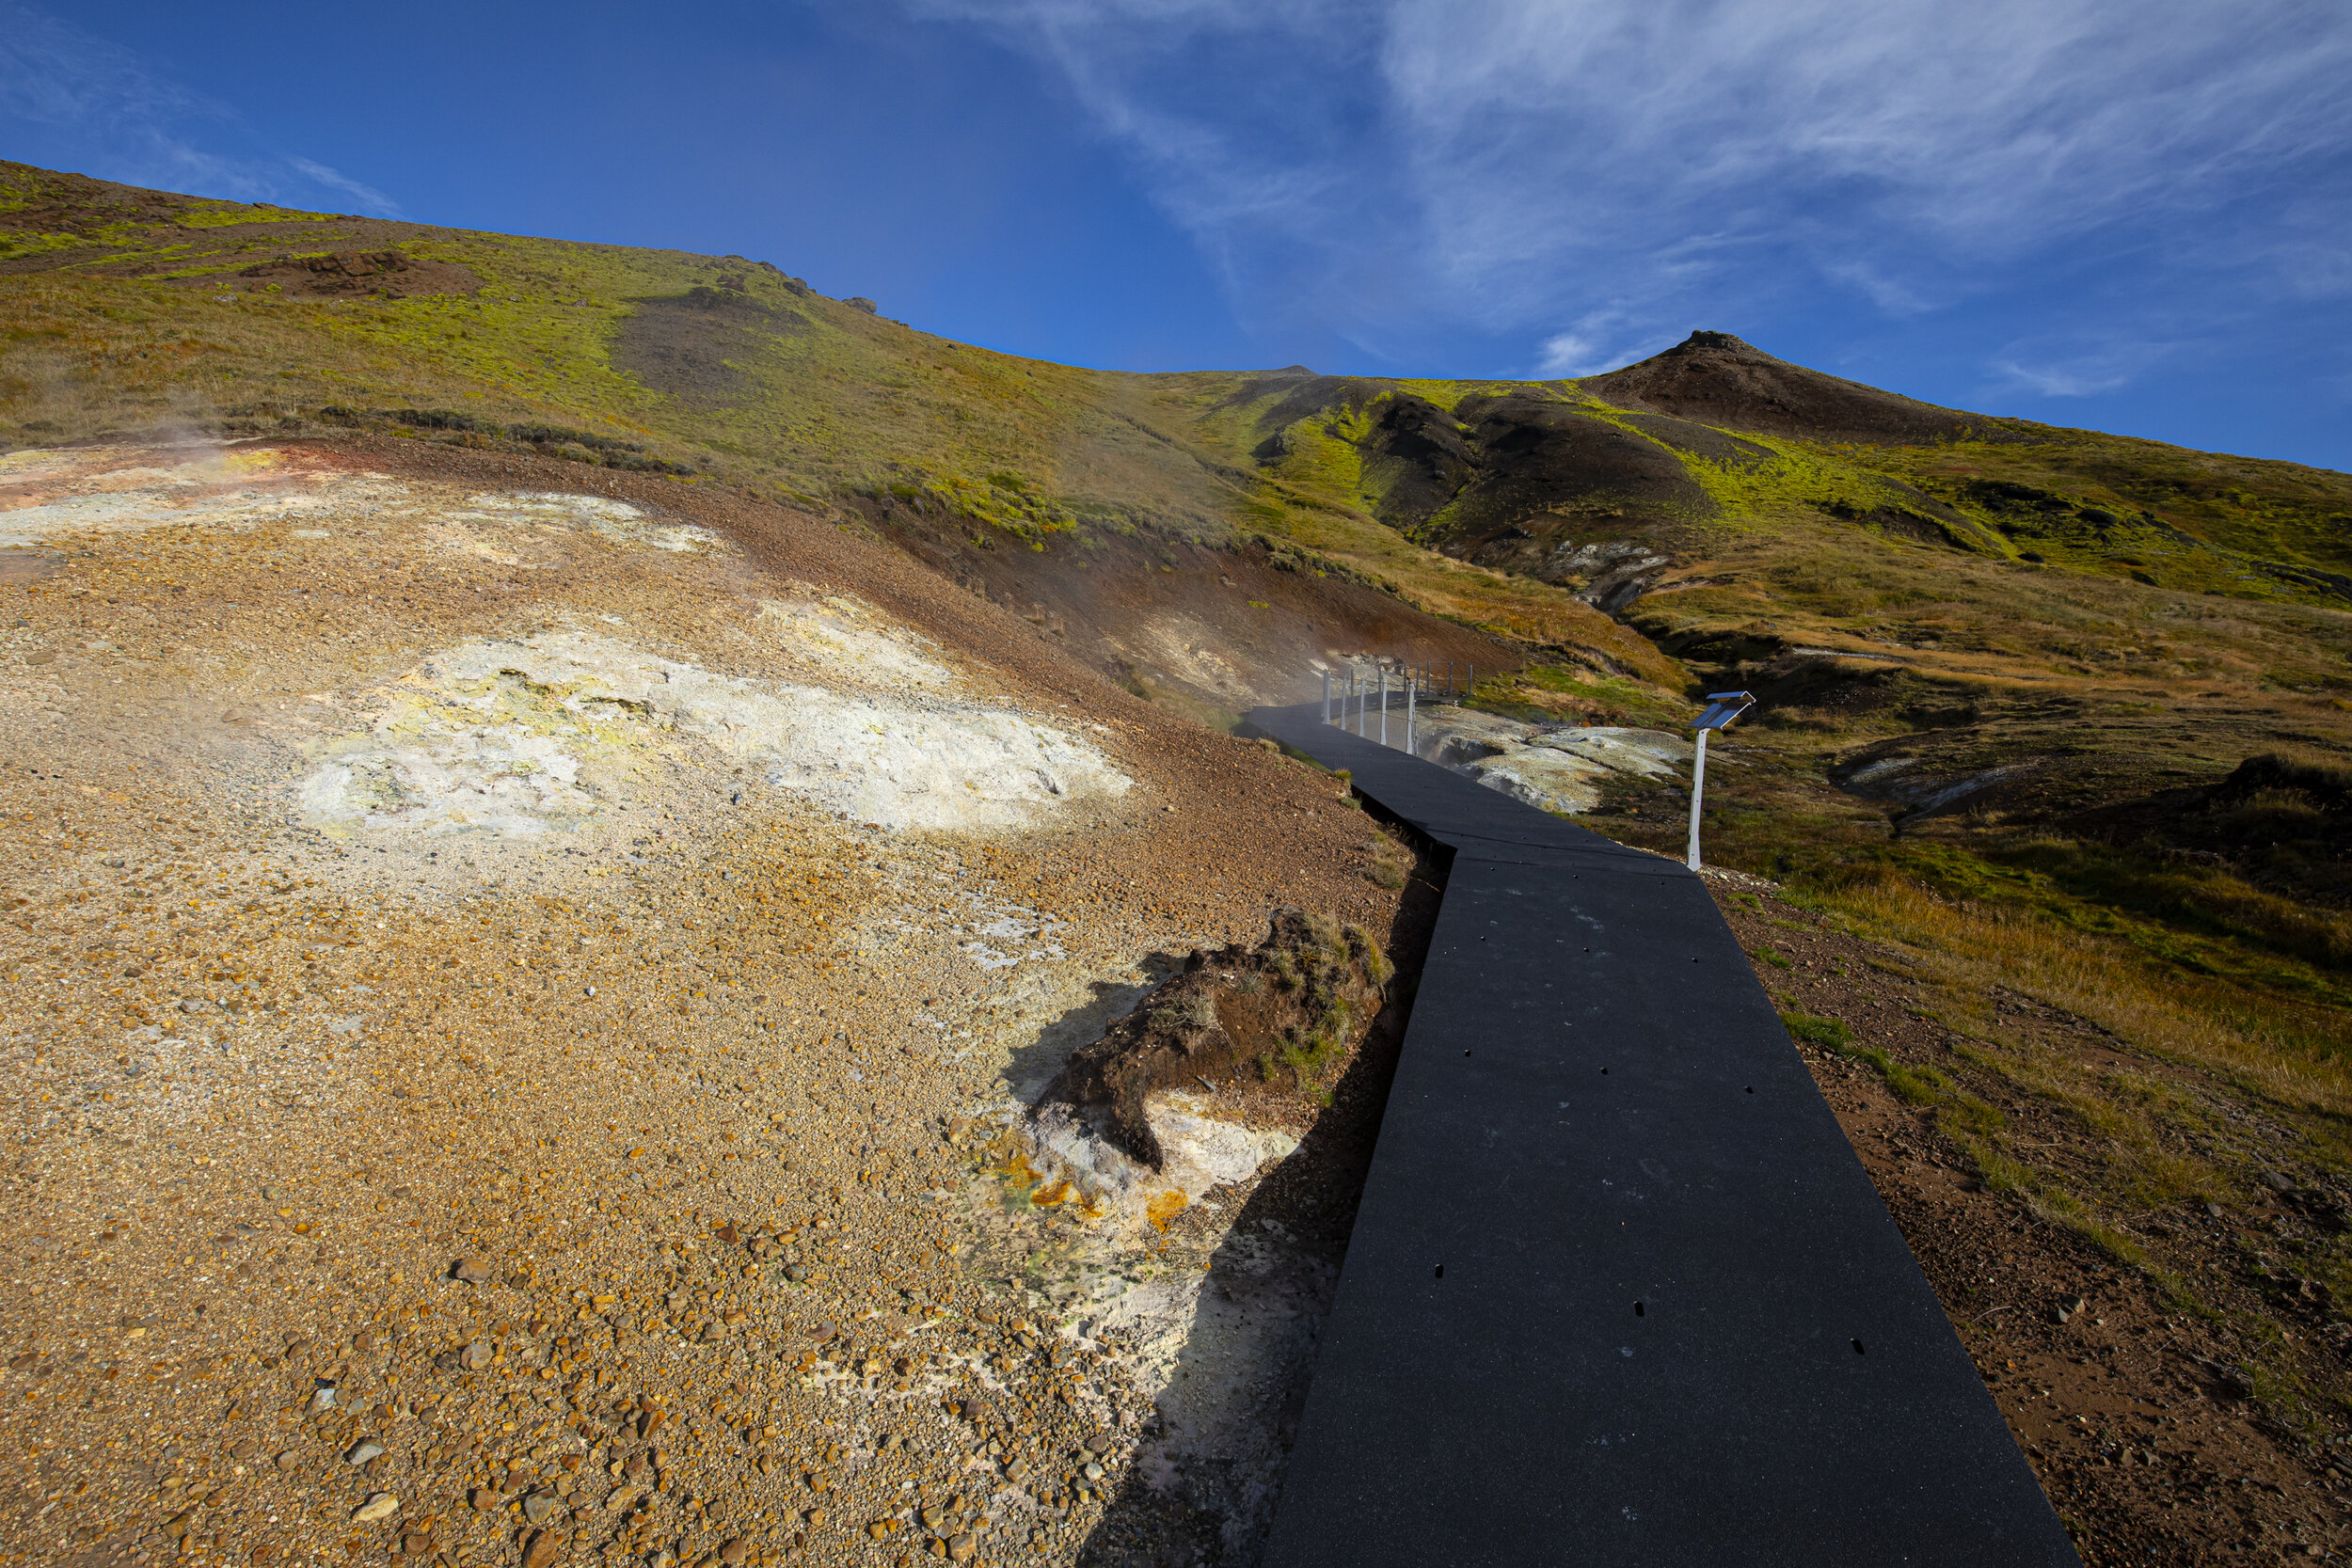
[{"x": 1620, "y": 1291}]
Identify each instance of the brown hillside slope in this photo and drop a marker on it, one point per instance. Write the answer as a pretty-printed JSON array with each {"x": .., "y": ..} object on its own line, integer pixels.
[
  {"x": 1715, "y": 378},
  {"x": 558, "y": 962},
  {"x": 129, "y": 309}
]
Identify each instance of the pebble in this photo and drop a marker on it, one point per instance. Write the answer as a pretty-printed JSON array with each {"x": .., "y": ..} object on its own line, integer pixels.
[
  {"x": 322, "y": 1400},
  {"x": 363, "y": 1451},
  {"x": 470, "y": 1269},
  {"x": 540, "y": 1507},
  {"x": 546, "y": 1549},
  {"x": 381, "y": 1506},
  {"x": 735, "y": 1552}
]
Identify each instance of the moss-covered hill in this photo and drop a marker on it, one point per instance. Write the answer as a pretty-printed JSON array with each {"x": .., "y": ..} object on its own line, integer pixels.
[{"x": 2074, "y": 619}]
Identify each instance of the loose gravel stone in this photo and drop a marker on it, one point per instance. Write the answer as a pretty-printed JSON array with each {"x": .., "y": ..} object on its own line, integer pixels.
[{"x": 668, "y": 1193}]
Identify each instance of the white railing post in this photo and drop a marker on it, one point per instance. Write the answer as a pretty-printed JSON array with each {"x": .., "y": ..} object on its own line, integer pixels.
[
  {"x": 1327, "y": 696},
  {"x": 1384, "y": 704},
  {"x": 1699, "y": 783},
  {"x": 1411, "y": 686}
]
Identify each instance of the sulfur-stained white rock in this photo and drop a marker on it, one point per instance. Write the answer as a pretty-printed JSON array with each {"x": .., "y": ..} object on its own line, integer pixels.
[
  {"x": 1457, "y": 736},
  {"x": 1560, "y": 768},
  {"x": 1202, "y": 1152},
  {"x": 516, "y": 738},
  {"x": 1549, "y": 780},
  {"x": 1644, "y": 753}
]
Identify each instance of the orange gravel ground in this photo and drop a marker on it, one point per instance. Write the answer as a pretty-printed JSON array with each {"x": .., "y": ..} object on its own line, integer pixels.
[{"x": 700, "y": 1101}]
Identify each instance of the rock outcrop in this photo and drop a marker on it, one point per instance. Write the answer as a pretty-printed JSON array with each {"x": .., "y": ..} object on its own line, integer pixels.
[{"x": 1553, "y": 768}]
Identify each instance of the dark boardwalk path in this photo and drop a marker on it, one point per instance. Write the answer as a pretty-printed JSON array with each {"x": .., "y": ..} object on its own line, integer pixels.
[{"x": 1620, "y": 1291}]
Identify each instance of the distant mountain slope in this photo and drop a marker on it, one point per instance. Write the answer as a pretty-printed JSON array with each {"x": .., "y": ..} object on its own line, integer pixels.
[{"x": 1708, "y": 514}]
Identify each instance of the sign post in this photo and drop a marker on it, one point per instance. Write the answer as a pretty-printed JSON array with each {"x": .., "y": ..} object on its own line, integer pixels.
[{"x": 1723, "y": 708}]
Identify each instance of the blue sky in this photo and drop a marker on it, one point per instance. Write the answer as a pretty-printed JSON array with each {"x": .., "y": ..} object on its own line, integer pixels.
[{"x": 2133, "y": 216}]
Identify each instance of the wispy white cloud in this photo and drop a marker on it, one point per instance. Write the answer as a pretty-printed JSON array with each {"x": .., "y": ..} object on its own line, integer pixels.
[
  {"x": 2076, "y": 370},
  {"x": 1597, "y": 340},
  {"x": 1528, "y": 162},
  {"x": 2061, "y": 381},
  {"x": 1892, "y": 297},
  {"x": 123, "y": 120},
  {"x": 370, "y": 199},
  {"x": 1569, "y": 354}
]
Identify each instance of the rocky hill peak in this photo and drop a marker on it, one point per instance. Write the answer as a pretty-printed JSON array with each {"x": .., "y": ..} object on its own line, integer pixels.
[
  {"x": 1725, "y": 343},
  {"x": 1717, "y": 379}
]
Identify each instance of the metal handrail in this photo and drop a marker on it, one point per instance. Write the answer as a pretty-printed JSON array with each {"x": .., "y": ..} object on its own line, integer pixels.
[{"x": 1415, "y": 681}]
